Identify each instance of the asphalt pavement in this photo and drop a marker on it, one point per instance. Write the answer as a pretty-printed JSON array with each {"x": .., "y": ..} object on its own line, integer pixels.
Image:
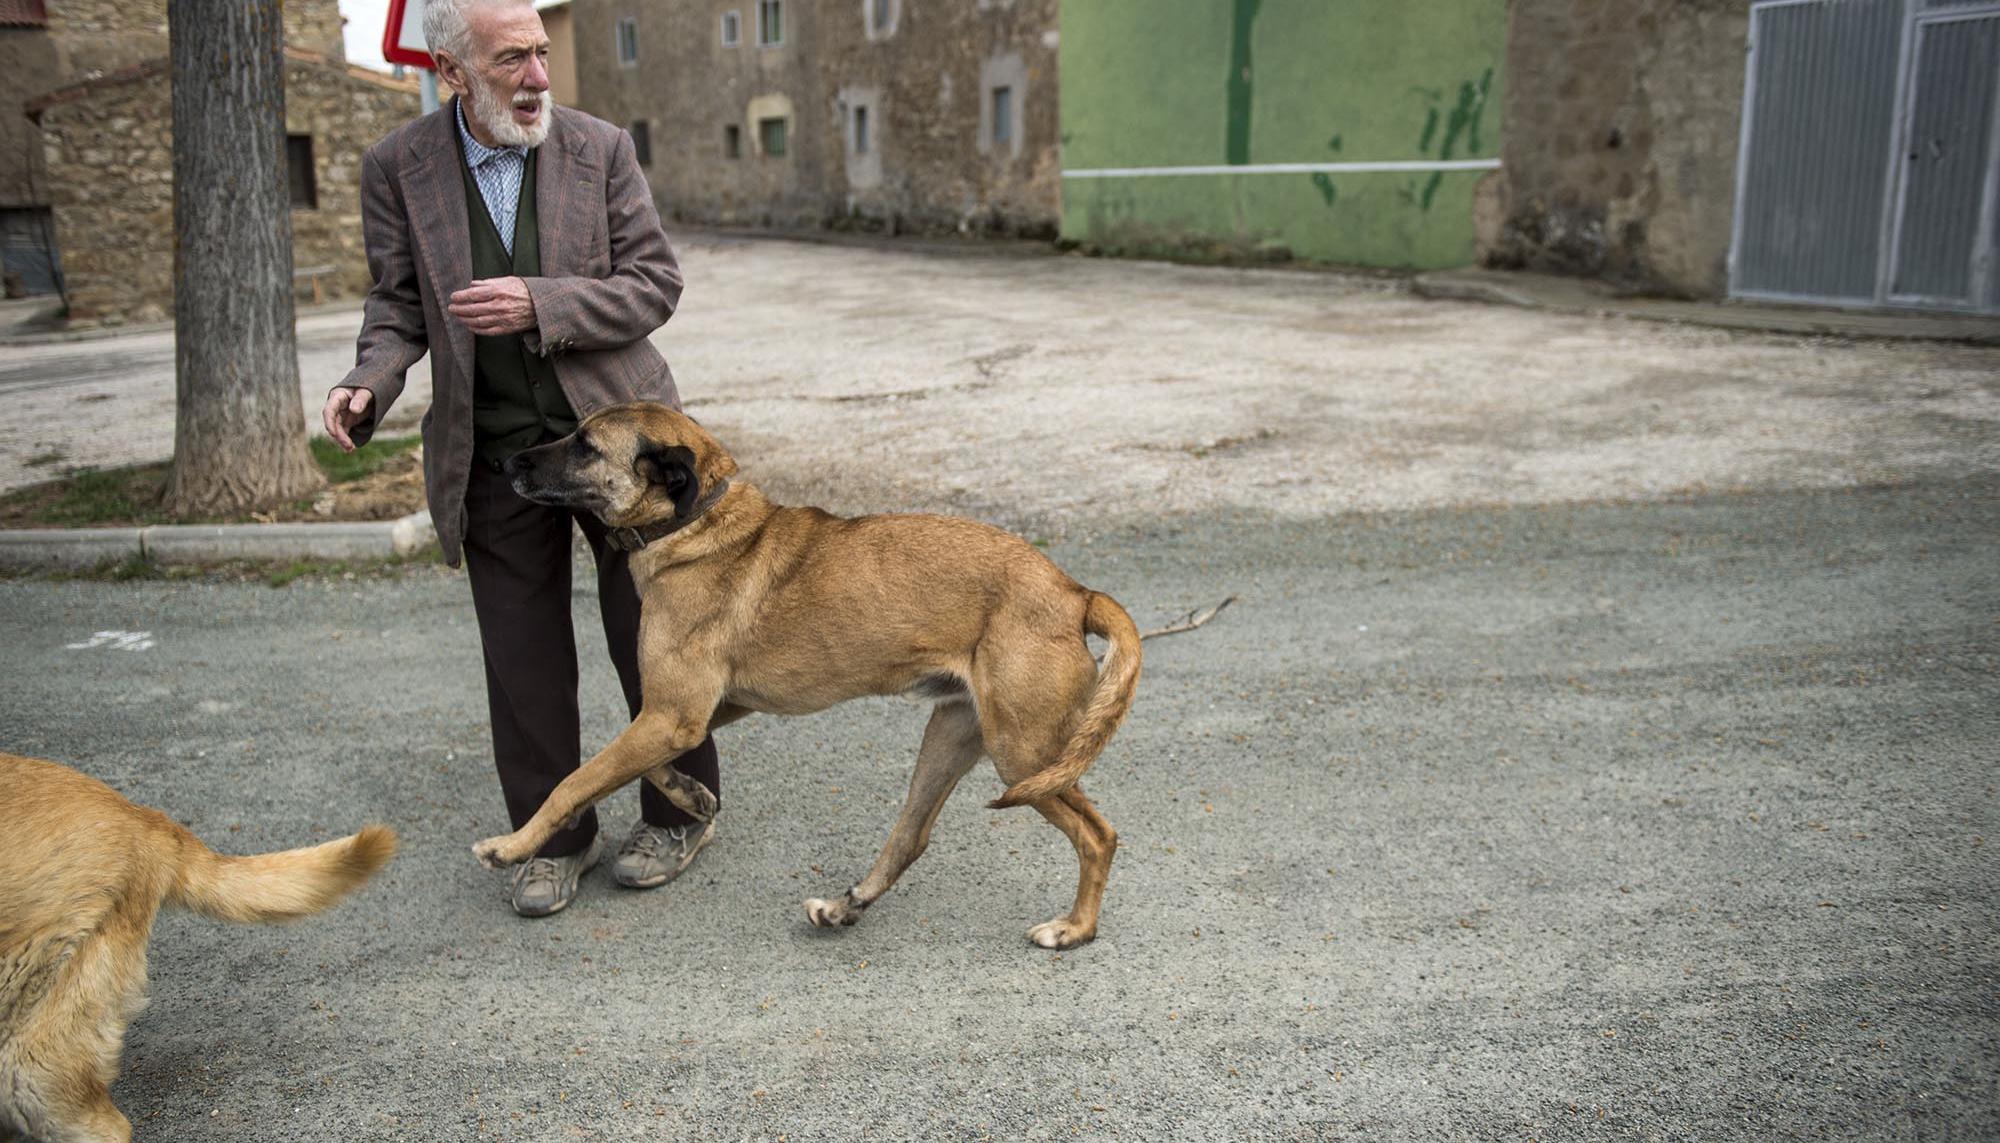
[{"x": 1662, "y": 819}]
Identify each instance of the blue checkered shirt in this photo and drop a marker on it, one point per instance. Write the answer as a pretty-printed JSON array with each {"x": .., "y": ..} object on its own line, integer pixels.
[{"x": 497, "y": 171}]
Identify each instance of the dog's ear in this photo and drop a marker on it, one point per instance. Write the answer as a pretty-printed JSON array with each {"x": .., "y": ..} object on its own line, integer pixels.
[{"x": 672, "y": 468}]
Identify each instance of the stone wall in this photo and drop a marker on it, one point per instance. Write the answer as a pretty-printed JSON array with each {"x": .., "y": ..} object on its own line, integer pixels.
[
  {"x": 109, "y": 152},
  {"x": 315, "y": 26},
  {"x": 927, "y": 83},
  {"x": 920, "y": 80},
  {"x": 96, "y": 37},
  {"x": 1619, "y": 138},
  {"x": 346, "y": 110},
  {"x": 90, "y": 39}
]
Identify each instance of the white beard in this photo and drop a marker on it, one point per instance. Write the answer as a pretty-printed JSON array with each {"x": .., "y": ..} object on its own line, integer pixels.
[{"x": 497, "y": 117}]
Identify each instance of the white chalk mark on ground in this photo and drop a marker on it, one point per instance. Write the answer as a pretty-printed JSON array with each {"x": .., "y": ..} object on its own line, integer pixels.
[{"x": 116, "y": 641}]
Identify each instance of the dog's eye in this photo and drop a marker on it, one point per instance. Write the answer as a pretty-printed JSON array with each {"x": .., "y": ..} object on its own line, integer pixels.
[{"x": 582, "y": 447}]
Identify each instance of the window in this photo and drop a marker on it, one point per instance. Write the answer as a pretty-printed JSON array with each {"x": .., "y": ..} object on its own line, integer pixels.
[
  {"x": 1003, "y": 114},
  {"x": 299, "y": 171},
  {"x": 642, "y": 142},
  {"x": 878, "y": 15},
  {"x": 628, "y": 42},
  {"x": 771, "y": 137},
  {"x": 861, "y": 130},
  {"x": 732, "y": 28},
  {"x": 770, "y": 22},
  {"x": 732, "y": 141}
]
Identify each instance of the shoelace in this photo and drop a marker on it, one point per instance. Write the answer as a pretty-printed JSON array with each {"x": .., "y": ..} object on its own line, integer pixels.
[
  {"x": 540, "y": 869},
  {"x": 647, "y": 842}
]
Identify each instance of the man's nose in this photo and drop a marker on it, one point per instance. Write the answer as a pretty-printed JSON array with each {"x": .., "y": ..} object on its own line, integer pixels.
[{"x": 538, "y": 74}]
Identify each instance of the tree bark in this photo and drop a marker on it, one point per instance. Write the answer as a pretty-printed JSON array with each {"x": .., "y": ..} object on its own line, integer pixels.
[{"x": 239, "y": 425}]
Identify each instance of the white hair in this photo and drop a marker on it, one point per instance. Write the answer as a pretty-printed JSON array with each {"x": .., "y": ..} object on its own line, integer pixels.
[{"x": 448, "y": 29}]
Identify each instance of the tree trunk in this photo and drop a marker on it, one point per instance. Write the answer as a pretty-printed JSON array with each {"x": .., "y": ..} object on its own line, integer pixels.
[{"x": 239, "y": 425}]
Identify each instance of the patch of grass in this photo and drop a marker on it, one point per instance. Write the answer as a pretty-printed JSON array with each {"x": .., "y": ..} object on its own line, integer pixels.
[
  {"x": 275, "y": 574},
  {"x": 93, "y": 497},
  {"x": 341, "y": 467}
]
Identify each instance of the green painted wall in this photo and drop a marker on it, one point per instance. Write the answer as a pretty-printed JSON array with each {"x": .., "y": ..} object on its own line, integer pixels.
[{"x": 1149, "y": 83}]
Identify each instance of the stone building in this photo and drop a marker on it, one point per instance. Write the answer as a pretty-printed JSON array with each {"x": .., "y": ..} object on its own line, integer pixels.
[
  {"x": 1618, "y": 142},
  {"x": 890, "y": 114},
  {"x": 1839, "y": 152},
  {"x": 104, "y": 149},
  {"x": 562, "y": 50}
]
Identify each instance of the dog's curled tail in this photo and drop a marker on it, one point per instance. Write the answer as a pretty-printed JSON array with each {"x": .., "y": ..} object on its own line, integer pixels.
[
  {"x": 1116, "y": 680},
  {"x": 279, "y": 886}
]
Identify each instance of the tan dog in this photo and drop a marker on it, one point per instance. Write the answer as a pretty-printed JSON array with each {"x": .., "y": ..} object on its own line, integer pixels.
[
  {"x": 82, "y": 874},
  {"x": 753, "y": 607}
]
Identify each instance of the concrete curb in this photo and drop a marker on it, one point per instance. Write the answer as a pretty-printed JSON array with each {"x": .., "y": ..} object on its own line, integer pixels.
[
  {"x": 1558, "y": 294},
  {"x": 81, "y": 548},
  {"x": 41, "y": 335}
]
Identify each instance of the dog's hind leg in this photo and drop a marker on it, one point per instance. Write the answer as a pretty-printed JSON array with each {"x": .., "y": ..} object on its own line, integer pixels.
[
  {"x": 88, "y": 1116},
  {"x": 57, "y": 1066},
  {"x": 1096, "y": 842},
  {"x": 951, "y": 747}
]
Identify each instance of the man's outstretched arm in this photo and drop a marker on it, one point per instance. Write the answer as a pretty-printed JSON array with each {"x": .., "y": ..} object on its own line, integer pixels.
[{"x": 393, "y": 336}]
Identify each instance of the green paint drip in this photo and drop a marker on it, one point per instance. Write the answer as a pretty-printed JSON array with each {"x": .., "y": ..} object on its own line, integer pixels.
[
  {"x": 1431, "y": 188},
  {"x": 1333, "y": 144},
  {"x": 1485, "y": 85},
  {"x": 1430, "y": 131},
  {"x": 1327, "y": 190},
  {"x": 1236, "y": 148},
  {"x": 1466, "y": 114}
]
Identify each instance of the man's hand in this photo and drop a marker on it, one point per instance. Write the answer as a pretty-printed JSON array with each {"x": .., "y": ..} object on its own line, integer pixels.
[
  {"x": 345, "y": 408},
  {"x": 494, "y": 307}
]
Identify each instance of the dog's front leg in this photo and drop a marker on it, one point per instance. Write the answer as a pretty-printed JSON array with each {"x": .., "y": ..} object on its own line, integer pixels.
[{"x": 652, "y": 740}]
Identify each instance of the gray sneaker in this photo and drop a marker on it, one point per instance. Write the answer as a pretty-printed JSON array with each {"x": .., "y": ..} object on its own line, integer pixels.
[
  {"x": 654, "y": 855},
  {"x": 547, "y": 885}
]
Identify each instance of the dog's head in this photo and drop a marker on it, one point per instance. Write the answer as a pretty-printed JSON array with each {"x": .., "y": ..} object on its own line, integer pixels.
[{"x": 630, "y": 465}]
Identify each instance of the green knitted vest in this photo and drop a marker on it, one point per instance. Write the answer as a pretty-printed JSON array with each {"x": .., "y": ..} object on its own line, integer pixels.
[{"x": 516, "y": 400}]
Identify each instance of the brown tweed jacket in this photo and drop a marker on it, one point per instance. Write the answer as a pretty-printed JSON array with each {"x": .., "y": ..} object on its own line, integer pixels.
[{"x": 609, "y": 279}]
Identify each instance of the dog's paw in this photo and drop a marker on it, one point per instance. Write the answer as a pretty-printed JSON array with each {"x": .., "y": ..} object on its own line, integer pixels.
[
  {"x": 694, "y": 799},
  {"x": 495, "y": 853},
  {"x": 826, "y": 914},
  {"x": 1061, "y": 933}
]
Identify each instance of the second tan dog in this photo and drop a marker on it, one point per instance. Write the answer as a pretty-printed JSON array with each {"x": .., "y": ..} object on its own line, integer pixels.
[
  {"x": 82, "y": 874},
  {"x": 749, "y": 606}
]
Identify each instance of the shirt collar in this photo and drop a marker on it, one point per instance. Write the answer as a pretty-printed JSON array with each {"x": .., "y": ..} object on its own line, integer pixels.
[{"x": 476, "y": 152}]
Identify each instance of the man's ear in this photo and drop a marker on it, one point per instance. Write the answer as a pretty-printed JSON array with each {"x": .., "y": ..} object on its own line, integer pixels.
[{"x": 672, "y": 468}]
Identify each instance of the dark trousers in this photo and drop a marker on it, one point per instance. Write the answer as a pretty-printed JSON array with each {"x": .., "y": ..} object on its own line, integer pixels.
[{"x": 517, "y": 555}]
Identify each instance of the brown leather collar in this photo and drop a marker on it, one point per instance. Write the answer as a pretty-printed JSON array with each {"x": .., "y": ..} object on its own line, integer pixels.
[{"x": 633, "y": 539}]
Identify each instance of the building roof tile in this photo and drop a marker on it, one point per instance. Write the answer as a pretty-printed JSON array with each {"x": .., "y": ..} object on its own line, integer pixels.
[{"x": 23, "y": 14}]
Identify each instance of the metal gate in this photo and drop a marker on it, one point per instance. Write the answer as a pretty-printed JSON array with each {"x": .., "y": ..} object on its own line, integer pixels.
[
  {"x": 26, "y": 250},
  {"x": 1869, "y": 163}
]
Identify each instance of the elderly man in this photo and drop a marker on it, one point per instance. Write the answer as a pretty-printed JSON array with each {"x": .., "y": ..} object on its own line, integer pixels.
[{"x": 516, "y": 242}]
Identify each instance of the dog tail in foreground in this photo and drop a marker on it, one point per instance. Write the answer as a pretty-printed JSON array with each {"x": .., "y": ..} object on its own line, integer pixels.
[
  {"x": 278, "y": 886},
  {"x": 1116, "y": 680}
]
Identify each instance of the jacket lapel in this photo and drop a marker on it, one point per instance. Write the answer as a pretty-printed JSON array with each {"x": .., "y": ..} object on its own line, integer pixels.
[
  {"x": 556, "y": 174},
  {"x": 434, "y": 196}
]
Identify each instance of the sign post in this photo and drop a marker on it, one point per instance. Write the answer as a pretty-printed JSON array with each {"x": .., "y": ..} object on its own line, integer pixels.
[{"x": 403, "y": 43}]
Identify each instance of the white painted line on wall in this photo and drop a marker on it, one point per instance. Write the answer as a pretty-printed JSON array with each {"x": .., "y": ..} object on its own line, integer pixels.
[{"x": 1290, "y": 168}]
